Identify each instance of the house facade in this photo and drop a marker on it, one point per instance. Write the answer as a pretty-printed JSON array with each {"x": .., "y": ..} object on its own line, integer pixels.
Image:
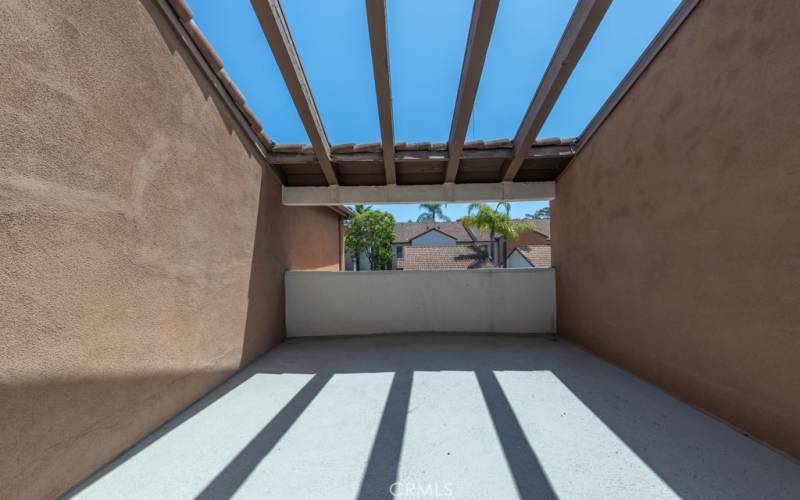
[{"x": 527, "y": 256}]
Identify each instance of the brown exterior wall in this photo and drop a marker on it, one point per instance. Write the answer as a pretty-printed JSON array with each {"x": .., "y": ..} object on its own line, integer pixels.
[
  {"x": 315, "y": 236},
  {"x": 527, "y": 238},
  {"x": 676, "y": 231},
  {"x": 142, "y": 246}
]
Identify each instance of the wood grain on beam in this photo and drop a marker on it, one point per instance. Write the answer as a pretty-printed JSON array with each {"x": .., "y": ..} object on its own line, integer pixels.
[
  {"x": 376, "y": 17},
  {"x": 580, "y": 28},
  {"x": 276, "y": 30},
  {"x": 484, "y": 13}
]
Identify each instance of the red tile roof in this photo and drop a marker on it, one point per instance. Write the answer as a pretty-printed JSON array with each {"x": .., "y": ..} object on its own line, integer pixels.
[
  {"x": 542, "y": 227},
  {"x": 536, "y": 255},
  {"x": 443, "y": 258},
  {"x": 407, "y": 231}
]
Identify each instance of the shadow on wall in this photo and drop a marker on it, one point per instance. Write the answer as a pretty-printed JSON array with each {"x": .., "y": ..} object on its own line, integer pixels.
[
  {"x": 59, "y": 427},
  {"x": 685, "y": 452},
  {"x": 72, "y": 424}
]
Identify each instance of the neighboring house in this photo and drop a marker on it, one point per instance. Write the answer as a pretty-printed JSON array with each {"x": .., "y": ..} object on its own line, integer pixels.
[
  {"x": 435, "y": 234},
  {"x": 427, "y": 235},
  {"x": 426, "y": 258},
  {"x": 530, "y": 256},
  {"x": 441, "y": 235},
  {"x": 539, "y": 236}
]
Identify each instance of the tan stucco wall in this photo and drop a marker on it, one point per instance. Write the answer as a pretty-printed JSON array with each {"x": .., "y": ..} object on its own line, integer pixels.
[
  {"x": 142, "y": 250},
  {"x": 676, "y": 231},
  {"x": 308, "y": 226}
]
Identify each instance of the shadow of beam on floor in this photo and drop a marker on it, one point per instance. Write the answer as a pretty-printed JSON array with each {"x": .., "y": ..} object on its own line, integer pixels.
[
  {"x": 237, "y": 471},
  {"x": 384, "y": 460},
  {"x": 529, "y": 476}
]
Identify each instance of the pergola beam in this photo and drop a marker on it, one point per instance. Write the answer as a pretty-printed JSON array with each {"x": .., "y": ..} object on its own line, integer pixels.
[
  {"x": 484, "y": 13},
  {"x": 579, "y": 31},
  {"x": 536, "y": 152},
  {"x": 421, "y": 193},
  {"x": 276, "y": 30},
  {"x": 376, "y": 18}
]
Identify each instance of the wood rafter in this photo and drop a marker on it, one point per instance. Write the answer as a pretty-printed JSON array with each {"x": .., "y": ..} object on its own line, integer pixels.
[
  {"x": 426, "y": 193},
  {"x": 535, "y": 152},
  {"x": 276, "y": 30},
  {"x": 579, "y": 31},
  {"x": 376, "y": 17},
  {"x": 484, "y": 13}
]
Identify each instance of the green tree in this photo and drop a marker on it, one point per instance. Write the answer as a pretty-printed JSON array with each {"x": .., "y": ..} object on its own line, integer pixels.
[
  {"x": 495, "y": 221},
  {"x": 371, "y": 233},
  {"x": 542, "y": 213},
  {"x": 431, "y": 211},
  {"x": 360, "y": 209}
]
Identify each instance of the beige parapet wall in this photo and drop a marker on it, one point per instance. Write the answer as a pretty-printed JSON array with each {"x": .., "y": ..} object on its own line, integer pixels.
[
  {"x": 676, "y": 230},
  {"x": 142, "y": 244},
  {"x": 368, "y": 302}
]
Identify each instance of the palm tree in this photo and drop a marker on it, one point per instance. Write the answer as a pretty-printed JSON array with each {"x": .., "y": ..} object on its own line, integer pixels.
[
  {"x": 431, "y": 211},
  {"x": 360, "y": 209},
  {"x": 495, "y": 221}
]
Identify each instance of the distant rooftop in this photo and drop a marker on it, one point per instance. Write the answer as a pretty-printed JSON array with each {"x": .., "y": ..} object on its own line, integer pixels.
[
  {"x": 536, "y": 255},
  {"x": 404, "y": 232},
  {"x": 444, "y": 258}
]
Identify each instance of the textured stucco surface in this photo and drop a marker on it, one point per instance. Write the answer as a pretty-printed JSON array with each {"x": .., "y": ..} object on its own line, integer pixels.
[
  {"x": 142, "y": 250},
  {"x": 676, "y": 231}
]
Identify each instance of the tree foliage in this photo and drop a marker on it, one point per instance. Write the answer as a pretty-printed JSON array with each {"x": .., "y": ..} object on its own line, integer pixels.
[
  {"x": 542, "y": 213},
  {"x": 430, "y": 211},
  {"x": 371, "y": 233}
]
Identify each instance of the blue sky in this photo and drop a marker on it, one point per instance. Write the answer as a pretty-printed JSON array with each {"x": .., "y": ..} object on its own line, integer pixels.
[
  {"x": 405, "y": 213},
  {"x": 425, "y": 56}
]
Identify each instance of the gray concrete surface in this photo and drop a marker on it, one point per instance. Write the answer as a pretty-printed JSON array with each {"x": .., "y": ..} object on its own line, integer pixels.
[{"x": 458, "y": 416}]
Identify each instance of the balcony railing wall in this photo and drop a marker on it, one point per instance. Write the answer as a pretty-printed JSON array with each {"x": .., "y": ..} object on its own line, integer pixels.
[{"x": 485, "y": 300}]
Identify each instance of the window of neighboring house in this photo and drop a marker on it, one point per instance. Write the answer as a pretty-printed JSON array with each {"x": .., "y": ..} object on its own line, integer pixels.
[{"x": 399, "y": 249}]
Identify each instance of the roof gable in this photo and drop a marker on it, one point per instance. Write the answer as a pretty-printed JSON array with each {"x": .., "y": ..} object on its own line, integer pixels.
[
  {"x": 433, "y": 230},
  {"x": 535, "y": 255},
  {"x": 407, "y": 231}
]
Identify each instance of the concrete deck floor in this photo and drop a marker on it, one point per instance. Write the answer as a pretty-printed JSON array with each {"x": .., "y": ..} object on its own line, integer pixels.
[{"x": 458, "y": 416}]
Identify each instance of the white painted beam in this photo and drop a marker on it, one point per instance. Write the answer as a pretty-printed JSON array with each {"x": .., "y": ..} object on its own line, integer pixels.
[{"x": 423, "y": 193}]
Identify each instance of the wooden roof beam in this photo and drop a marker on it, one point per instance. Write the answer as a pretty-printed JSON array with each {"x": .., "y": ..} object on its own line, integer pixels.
[
  {"x": 276, "y": 30},
  {"x": 484, "y": 13},
  {"x": 579, "y": 31},
  {"x": 420, "y": 193},
  {"x": 378, "y": 42}
]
